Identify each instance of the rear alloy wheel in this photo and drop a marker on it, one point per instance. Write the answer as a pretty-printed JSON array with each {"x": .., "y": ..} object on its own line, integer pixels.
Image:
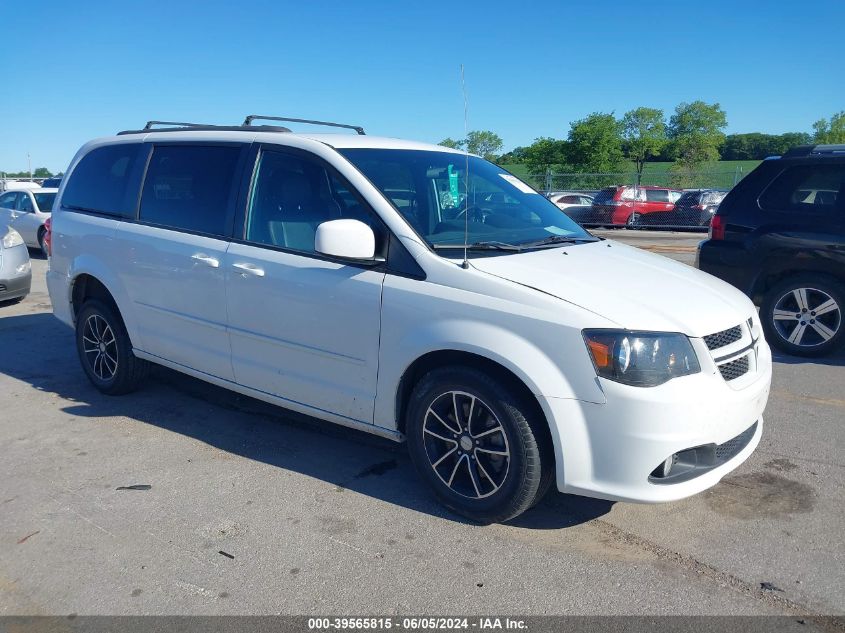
[
  {"x": 105, "y": 351},
  {"x": 803, "y": 315},
  {"x": 475, "y": 443},
  {"x": 633, "y": 220}
]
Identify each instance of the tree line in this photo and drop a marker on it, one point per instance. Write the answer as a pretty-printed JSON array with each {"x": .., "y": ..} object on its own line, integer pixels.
[
  {"x": 40, "y": 172},
  {"x": 691, "y": 137}
]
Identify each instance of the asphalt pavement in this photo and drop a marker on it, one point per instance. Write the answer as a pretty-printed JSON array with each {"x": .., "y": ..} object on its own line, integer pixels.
[{"x": 253, "y": 510}]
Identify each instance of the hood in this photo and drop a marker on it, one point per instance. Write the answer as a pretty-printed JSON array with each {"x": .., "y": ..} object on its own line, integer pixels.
[{"x": 635, "y": 289}]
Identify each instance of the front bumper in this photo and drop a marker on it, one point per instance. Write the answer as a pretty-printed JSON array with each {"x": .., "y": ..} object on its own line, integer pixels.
[{"x": 610, "y": 450}]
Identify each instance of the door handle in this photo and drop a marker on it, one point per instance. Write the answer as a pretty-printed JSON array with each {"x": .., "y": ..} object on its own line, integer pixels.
[
  {"x": 249, "y": 269},
  {"x": 206, "y": 259}
]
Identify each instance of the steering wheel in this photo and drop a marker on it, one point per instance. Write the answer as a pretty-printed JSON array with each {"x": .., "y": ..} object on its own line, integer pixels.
[{"x": 474, "y": 213}]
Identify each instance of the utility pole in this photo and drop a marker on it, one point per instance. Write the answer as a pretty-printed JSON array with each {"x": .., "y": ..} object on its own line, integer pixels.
[{"x": 29, "y": 165}]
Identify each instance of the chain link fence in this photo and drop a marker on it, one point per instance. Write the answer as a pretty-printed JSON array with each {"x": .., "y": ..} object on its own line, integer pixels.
[{"x": 682, "y": 200}]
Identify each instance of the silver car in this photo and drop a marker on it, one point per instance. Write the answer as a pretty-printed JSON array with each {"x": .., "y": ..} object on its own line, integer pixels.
[
  {"x": 15, "y": 267},
  {"x": 26, "y": 210}
]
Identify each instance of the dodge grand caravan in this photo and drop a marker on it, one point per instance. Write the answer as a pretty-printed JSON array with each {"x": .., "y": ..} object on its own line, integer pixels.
[{"x": 414, "y": 292}]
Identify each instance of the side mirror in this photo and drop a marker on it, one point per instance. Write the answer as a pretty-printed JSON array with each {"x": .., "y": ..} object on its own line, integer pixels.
[{"x": 347, "y": 239}]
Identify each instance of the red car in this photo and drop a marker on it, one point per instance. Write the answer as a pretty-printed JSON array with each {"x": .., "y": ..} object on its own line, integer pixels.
[{"x": 625, "y": 204}]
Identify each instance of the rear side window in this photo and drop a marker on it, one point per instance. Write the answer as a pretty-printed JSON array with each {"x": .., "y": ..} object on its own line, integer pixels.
[
  {"x": 8, "y": 200},
  {"x": 605, "y": 195},
  {"x": 657, "y": 195},
  {"x": 104, "y": 181},
  {"x": 190, "y": 187},
  {"x": 806, "y": 188}
]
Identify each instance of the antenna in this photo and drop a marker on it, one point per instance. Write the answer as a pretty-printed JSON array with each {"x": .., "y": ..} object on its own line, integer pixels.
[{"x": 465, "y": 263}]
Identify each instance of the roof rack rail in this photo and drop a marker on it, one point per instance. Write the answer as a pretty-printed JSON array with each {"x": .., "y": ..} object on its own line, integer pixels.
[
  {"x": 151, "y": 124},
  {"x": 202, "y": 127},
  {"x": 808, "y": 150},
  {"x": 252, "y": 117}
]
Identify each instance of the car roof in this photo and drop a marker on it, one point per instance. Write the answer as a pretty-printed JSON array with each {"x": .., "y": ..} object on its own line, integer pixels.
[
  {"x": 45, "y": 190},
  {"x": 337, "y": 141}
]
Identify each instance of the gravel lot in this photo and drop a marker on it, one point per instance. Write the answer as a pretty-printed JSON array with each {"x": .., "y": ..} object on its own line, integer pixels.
[{"x": 255, "y": 510}]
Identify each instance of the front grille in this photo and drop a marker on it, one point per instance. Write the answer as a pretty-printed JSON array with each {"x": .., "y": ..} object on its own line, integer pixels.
[
  {"x": 735, "y": 368},
  {"x": 725, "y": 337},
  {"x": 2, "y": 287},
  {"x": 732, "y": 447}
]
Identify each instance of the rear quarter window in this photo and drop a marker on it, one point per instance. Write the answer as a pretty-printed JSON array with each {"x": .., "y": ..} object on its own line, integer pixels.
[
  {"x": 806, "y": 189},
  {"x": 105, "y": 181}
]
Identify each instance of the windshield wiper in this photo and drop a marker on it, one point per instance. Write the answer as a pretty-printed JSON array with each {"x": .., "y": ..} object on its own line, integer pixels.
[
  {"x": 558, "y": 239},
  {"x": 490, "y": 245}
]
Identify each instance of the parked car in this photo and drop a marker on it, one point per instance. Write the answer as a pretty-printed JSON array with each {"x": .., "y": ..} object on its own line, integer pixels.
[
  {"x": 15, "y": 267},
  {"x": 564, "y": 200},
  {"x": 17, "y": 185},
  {"x": 779, "y": 236},
  {"x": 625, "y": 205},
  {"x": 582, "y": 214},
  {"x": 693, "y": 209},
  {"x": 509, "y": 347},
  {"x": 52, "y": 182},
  {"x": 26, "y": 211}
]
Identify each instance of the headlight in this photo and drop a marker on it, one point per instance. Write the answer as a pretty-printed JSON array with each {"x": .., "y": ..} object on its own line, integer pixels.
[
  {"x": 641, "y": 359},
  {"x": 12, "y": 238}
]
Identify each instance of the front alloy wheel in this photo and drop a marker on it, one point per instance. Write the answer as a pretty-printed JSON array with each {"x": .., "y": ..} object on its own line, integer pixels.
[
  {"x": 479, "y": 444},
  {"x": 466, "y": 445}
]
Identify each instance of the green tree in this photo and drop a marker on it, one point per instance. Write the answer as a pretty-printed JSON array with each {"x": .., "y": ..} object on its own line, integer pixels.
[
  {"x": 595, "y": 143},
  {"x": 830, "y": 131},
  {"x": 514, "y": 157},
  {"x": 450, "y": 142},
  {"x": 42, "y": 172},
  {"x": 696, "y": 132},
  {"x": 485, "y": 143},
  {"x": 543, "y": 154},
  {"x": 644, "y": 134}
]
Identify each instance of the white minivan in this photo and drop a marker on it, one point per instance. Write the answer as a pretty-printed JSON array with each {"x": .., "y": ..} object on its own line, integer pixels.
[{"x": 414, "y": 292}]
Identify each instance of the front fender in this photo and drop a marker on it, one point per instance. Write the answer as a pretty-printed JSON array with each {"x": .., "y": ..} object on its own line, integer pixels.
[{"x": 550, "y": 359}]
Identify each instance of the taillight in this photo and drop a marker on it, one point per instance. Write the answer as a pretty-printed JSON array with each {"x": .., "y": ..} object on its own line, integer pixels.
[
  {"x": 48, "y": 235},
  {"x": 717, "y": 227}
]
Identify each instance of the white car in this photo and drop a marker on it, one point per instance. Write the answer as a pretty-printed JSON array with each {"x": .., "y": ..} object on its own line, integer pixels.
[
  {"x": 566, "y": 199},
  {"x": 323, "y": 273},
  {"x": 26, "y": 211}
]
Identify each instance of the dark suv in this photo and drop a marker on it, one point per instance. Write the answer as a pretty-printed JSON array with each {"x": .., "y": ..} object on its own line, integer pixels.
[{"x": 779, "y": 236}]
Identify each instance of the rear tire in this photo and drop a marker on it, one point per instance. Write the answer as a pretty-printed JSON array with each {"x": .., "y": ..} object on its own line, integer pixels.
[
  {"x": 41, "y": 233},
  {"x": 478, "y": 446},
  {"x": 803, "y": 315},
  {"x": 105, "y": 350},
  {"x": 633, "y": 220}
]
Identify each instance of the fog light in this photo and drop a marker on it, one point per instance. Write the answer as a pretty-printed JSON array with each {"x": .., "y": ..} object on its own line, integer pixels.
[{"x": 23, "y": 268}]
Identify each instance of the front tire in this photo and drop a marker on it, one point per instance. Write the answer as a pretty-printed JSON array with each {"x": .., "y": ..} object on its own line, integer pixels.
[
  {"x": 105, "y": 350},
  {"x": 479, "y": 447},
  {"x": 803, "y": 315}
]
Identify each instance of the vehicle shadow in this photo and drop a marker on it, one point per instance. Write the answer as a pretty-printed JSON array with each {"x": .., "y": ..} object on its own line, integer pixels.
[
  {"x": 834, "y": 360},
  {"x": 249, "y": 428}
]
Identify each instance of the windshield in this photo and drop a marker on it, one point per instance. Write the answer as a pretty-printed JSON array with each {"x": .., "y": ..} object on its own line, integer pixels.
[
  {"x": 45, "y": 201},
  {"x": 430, "y": 190}
]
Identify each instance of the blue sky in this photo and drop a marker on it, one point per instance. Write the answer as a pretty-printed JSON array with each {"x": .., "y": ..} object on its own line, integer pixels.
[{"x": 78, "y": 70}]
